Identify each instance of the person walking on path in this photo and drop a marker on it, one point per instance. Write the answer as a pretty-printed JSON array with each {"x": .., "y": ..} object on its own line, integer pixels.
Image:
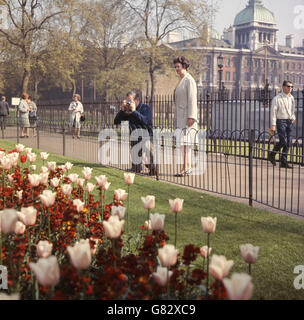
[
  {"x": 24, "y": 122},
  {"x": 75, "y": 110},
  {"x": 4, "y": 112},
  {"x": 282, "y": 117},
  {"x": 33, "y": 115}
]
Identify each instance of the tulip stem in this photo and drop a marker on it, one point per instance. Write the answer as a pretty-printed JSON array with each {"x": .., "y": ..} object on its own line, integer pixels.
[
  {"x": 203, "y": 264},
  {"x": 37, "y": 290},
  {"x": 249, "y": 269},
  {"x": 100, "y": 193},
  {"x": 49, "y": 223},
  {"x": 168, "y": 284},
  {"x": 208, "y": 245},
  {"x": 128, "y": 208},
  {"x": 29, "y": 244},
  {"x": 175, "y": 228}
]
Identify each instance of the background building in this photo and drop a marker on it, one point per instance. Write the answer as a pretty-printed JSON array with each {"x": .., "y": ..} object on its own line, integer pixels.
[{"x": 251, "y": 55}]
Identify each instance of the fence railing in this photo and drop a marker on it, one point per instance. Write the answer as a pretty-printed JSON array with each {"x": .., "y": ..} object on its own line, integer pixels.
[
  {"x": 229, "y": 163},
  {"x": 227, "y": 111}
]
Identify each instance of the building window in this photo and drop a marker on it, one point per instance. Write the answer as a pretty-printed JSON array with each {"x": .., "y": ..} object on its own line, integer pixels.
[
  {"x": 299, "y": 66},
  {"x": 287, "y": 66},
  {"x": 280, "y": 79},
  {"x": 227, "y": 76},
  {"x": 247, "y": 77},
  {"x": 293, "y": 66},
  {"x": 234, "y": 76},
  {"x": 228, "y": 62},
  {"x": 247, "y": 62}
]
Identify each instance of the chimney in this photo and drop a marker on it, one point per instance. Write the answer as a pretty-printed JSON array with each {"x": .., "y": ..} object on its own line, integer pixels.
[{"x": 290, "y": 40}]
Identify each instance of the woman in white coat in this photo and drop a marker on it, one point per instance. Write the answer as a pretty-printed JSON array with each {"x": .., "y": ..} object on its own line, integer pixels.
[
  {"x": 185, "y": 96},
  {"x": 75, "y": 111}
]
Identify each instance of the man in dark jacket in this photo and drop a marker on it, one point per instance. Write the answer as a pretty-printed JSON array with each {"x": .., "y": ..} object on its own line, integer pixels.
[
  {"x": 139, "y": 116},
  {"x": 4, "y": 112}
]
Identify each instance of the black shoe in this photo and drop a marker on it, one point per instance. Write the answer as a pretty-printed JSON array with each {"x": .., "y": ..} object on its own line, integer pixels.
[
  {"x": 285, "y": 165},
  {"x": 271, "y": 158}
]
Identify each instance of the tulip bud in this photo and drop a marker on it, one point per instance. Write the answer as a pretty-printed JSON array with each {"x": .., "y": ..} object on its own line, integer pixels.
[
  {"x": 118, "y": 211},
  {"x": 148, "y": 202},
  {"x": 208, "y": 224},
  {"x": 32, "y": 157},
  {"x": 87, "y": 173},
  {"x": 220, "y": 267},
  {"x": 157, "y": 221},
  {"x": 55, "y": 182},
  {"x": 129, "y": 178},
  {"x": 68, "y": 166},
  {"x": 161, "y": 276},
  {"x": 90, "y": 187},
  {"x": 73, "y": 177},
  {"x": 44, "y": 169},
  {"x": 120, "y": 195},
  {"x": 113, "y": 227},
  {"x": 168, "y": 255},
  {"x": 44, "y": 156},
  {"x": 79, "y": 204},
  {"x": 19, "y": 228},
  {"x": 176, "y": 205},
  {"x": 44, "y": 249},
  {"x": 48, "y": 198},
  {"x": 8, "y": 219},
  {"x": 46, "y": 271},
  {"x": 249, "y": 253},
  {"x": 28, "y": 216},
  {"x": 52, "y": 165},
  {"x": 33, "y": 167},
  {"x": 205, "y": 252},
  {"x": 239, "y": 287},
  {"x": 20, "y": 147},
  {"x": 34, "y": 179},
  {"x": 80, "y": 254},
  {"x": 66, "y": 189}
]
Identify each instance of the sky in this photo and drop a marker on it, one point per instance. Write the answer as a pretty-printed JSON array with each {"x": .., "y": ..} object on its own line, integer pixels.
[{"x": 288, "y": 22}]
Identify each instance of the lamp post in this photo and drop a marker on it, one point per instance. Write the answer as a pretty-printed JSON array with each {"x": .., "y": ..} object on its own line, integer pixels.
[{"x": 220, "y": 64}]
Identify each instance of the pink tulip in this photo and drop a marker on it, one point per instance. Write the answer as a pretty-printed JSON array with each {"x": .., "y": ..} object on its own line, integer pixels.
[
  {"x": 90, "y": 187},
  {"x": 239, "y": 287},
  {"x": 168, "y": 255},
  {"x": 129, "y": 178},
  {"x": 19, "y": 228},
  {"x": 101, "y": 180},
  {"x": 87, "y": 173},
  {"x": 48, "y": 198},
  {"x": 205, "y": 252},
  {"x": 20, "y": 147},
  {"x": 28, "y": 150},
  {"x": 33, "y": 167},
  {"x": 79, "y": 204},
  {"x": 44, "y": 249},
  {"x": 10, "y": 178},
  {"x": 161, "y": 276},
  {"x": 80, "y": 182},
  {"x": 32, "y": 157},
  {"x": 208, "y": 224},
  {"x": 19, "y": 194},
  {"x": 148, "y": 202},
  {"x": 8, "y": 219},
  {"x": 46, "y": 271},
  {"x": 157, "y": 221},
  {"x": 44, "y": 155},
  {"x": 249, "y": 253},
  {"x": 68, "y": 166},
  {"x": 44, "y": 178},
  {"x": 52, "y": 165},
  {"x": 80, "y": 254},
  {"x": 66, "y": 189},
  {"x": 176, "y": 205},
  {"x": 6, "y": 163},
  {"x": 120, "y": 195},
  {"x": 44, "y": 169},
  {"x": 113, "y": 227},
  {"x": 118, "y": 211},
  {"x": 106, "y": 186},
  {"x": 55, "y": 182},
  {"x": 28, "y": 216},
  {"x": 34, "y": 179},
  {"x": 220, "y": 267},
  {"x": 73, "y": 177}
]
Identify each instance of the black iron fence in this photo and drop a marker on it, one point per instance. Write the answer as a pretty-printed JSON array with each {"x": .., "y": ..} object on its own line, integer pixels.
[{"x": 232, "y": 163}]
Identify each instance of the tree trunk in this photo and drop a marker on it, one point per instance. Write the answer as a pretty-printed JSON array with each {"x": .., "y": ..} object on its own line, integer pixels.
[
  {"x": 74, "y": 86},
  {"x": 152, "y": 78},
  {"x": 26, "y": 73},
  {"x": 36, "y": 88}
]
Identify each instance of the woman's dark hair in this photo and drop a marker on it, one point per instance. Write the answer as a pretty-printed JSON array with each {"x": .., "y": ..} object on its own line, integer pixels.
[
  {"x": 183, "y": 61},
  {"x": 24, "y": 96},
  {"x": 30, "y": 98}
]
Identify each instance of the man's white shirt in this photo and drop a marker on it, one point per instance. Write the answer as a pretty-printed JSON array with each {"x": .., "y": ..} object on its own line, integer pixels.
[{"x": 283, "y": 107}]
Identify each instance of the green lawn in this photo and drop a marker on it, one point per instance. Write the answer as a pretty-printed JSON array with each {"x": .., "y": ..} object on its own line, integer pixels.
[{"x": 281, "y": 238}]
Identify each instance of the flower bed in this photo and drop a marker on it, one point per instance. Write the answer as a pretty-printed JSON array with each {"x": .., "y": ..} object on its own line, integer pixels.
[{"x": 59, "y": 241}]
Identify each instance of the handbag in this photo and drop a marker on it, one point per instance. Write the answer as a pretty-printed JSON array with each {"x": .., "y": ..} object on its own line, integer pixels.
[
  {"x": 82, "y": 118},
  {"x": 32, "y": 116}
]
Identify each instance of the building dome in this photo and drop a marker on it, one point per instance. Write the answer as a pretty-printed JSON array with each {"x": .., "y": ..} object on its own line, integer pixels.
[
  {"x": 213, "y": 34},
  {"x": 254, "y": 12}
]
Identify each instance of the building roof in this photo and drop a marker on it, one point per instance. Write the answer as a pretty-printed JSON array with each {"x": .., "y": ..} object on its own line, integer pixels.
[{"x": 254, "y": 12}]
